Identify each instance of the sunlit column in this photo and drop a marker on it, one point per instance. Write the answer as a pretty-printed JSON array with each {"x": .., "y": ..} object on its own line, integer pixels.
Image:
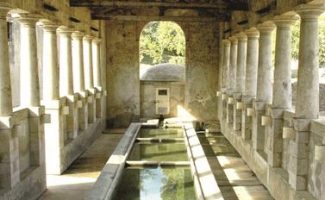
[
  {"x": 282, "y": 87},
  {"x": 29, "y": 85},
  {"x": 50, "y": 61},
  {"x": 240, "y": 79},
  {"x": 307, "y": 100},
  {"x": 5, "y": 86},
  {"x": 264, "y": 80},
  {"x": 233, "y": 64},
  {"x": 65, "y": 63},
  {"x": 250, "y": 80},
  {"x": 251, "y": 62},
  {"x": 282, "y": 70},
  {"x": 88, "y": 64},
  {"x": 77, "y": 62},
  {"x": 226, "y": 63},
  {"x": 96, "y": 62},
  {"x": 241, "y": 63}
]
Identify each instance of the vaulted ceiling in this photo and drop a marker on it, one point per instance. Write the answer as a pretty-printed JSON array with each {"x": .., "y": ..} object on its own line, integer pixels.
[{"x": 181, "y": 10}]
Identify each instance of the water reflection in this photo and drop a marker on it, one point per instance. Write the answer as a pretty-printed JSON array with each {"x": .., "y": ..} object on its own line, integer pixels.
[{"x": 155, "y": 184}]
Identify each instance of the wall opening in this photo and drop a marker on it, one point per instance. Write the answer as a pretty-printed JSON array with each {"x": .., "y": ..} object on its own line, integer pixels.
[{"x": 162, "y": 65}]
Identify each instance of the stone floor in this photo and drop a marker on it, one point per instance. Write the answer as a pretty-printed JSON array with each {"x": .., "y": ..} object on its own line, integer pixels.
[
  {"x": 79, "y": 178},
  {"x": 235, "y": 179}
]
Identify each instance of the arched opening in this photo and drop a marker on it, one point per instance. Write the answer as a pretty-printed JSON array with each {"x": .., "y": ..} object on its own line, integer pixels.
[{"x": 162, "y": 69}]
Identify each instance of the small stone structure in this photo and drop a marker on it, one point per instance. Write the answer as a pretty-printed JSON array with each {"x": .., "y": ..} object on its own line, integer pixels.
[{"x": 162, "y": 76}]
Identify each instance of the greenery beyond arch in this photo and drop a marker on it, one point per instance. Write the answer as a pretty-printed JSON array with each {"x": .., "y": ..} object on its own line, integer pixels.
[{"x": 162, "y": 42}]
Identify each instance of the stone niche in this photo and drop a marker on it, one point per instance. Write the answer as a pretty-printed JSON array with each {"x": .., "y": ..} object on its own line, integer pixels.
[{"x": 161, "y": 76}]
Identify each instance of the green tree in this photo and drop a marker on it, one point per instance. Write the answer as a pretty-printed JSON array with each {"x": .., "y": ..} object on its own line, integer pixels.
[{"x": 162, "y": 42}]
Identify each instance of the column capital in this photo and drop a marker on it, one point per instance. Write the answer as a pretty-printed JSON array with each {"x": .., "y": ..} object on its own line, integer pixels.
[
  {"x": 242, "y": 37},
  {"x": 88, "y": 37},
  {"x": 64, "y": 30},
  {"x": 96, "y": 40},
  {"x": 28, "y": 19},
  {"x": 252, "y": 33},
  {"x": 266, "y": 27},
  {"x": 226, "y": 42},
  {"x": 77, "y": 34},
  {"x": 310, "y": 11},
  {"x": 233, "y": 40},
  {"x": 47, "y": 25},
  {"x": 285, "y": 20}
]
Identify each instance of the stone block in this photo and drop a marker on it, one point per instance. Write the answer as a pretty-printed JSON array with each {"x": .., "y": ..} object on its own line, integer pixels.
[
  {"x": 297, "y": 182},
  {"x": 266, "y": 120},
  {"x": 301, "y": 124},
  {"x": 288, "y": 133},
  {"x": 320, "y": 153},
  {"x": 6, "y": 122}
]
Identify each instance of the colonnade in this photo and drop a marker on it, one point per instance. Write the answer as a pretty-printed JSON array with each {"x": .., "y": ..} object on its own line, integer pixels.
[
  {"x": 65, "y": 119},
  {"x": 254, "y": 106}
]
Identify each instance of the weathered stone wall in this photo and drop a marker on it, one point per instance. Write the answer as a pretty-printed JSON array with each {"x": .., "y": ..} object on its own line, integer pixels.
[
  {"x": 123, "y": 84},
  {"x": 148, "y": 97}
]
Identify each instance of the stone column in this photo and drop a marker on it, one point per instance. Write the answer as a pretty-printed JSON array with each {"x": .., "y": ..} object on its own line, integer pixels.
[
  {"x": 77, "y": 62},
  {"x": 232, "y": 79},
  {"x": 5, "y": 86},
  {"x": 9, "y": 162},
  {"x": 66, "y": 80},
  {"x": 225, "y": 69},
  {"x": 54, "y": 133},
  {"x": 29, "y": 85},
  {"x": 307, "y": 103},
  {"x": 220, "y": 77},
  {"x": 88, "y": 64},
  {"x": 65, "y": 63},
  {"x": 264, "y": 86},
  {"x": 50, "y": 61},
  {"x": 240, "y": 79},
  {"x": 282, "y": 87},
  {"x": 79, "y": 78},
  {"x": 96, "y": 62},
  {"x": 250, "y": 80},
  {"x": 89, "y": 77}
]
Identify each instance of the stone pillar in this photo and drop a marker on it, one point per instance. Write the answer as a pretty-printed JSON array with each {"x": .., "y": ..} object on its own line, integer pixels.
[
  {"x": 307, "y": 104},
  {"x": 78, "y": 78},
  {"x": 220, "y": 83},
  {"x": 89, "y": 78},
  {"x": 66, "y": 80},
  {"x": 9, "y": 176},
  {"x": 5, "y": 86},
  {"x": 65, "y": 63},
  {"x": 50, "y": 64},
  {"x": 54, "y": 133},
  {"x": 232, "y": 79},
  {"x": 240, "y": 79},
  {"x": 77, "y": 62},
  {"x": 282, "y": 87},
  {"x": 250, "y": 80},
  {"x": 225, "y": 69},
  {"x": 88, "y": 64},
  {"x": 29, "y": 85},
  {"x": 264, "y": 86},
  {"x": 96, "y": 62}
]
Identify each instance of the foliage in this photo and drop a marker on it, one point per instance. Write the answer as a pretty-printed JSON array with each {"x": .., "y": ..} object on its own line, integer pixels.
[{"x": 162, "y": 42}]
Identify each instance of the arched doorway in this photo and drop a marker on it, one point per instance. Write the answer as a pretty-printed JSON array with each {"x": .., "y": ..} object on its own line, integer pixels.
[{"x": 162, "y": 69}]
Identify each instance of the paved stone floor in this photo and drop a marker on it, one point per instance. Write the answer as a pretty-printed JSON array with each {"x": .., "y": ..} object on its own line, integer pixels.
[
  {"x": 79, "y": 178},
  {"x": 235, "y": 179}
]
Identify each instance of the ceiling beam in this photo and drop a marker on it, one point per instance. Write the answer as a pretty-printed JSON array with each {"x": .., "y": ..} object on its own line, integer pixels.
[
  {"x": 158, "y": 18},
  {"x": 134, "y": 3}
]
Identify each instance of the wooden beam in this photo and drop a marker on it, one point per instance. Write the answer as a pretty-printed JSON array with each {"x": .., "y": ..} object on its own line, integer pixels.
[
  {"x": 134, "y": 3},
  {"x": 159, "y": 18}
]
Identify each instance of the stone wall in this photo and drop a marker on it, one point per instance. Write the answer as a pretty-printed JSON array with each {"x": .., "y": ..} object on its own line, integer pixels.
[{"x": 123, "y": 84}]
